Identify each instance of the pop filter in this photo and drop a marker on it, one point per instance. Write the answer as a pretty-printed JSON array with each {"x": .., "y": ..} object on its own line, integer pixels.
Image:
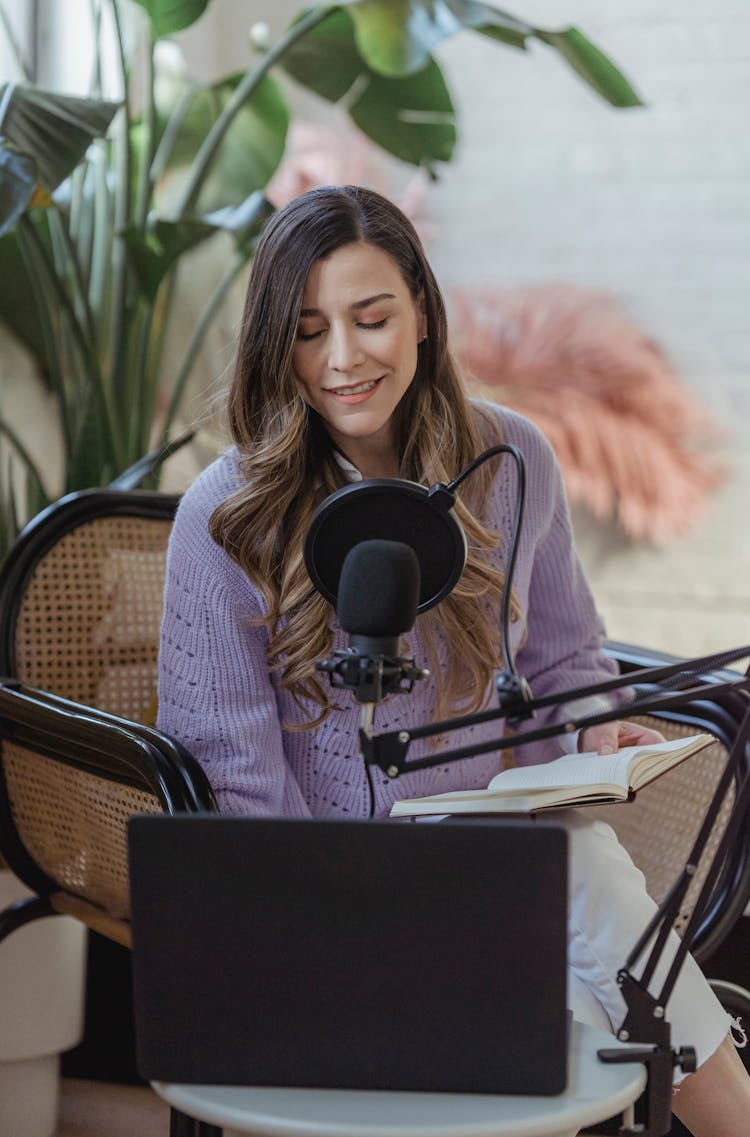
[{"x": 389, "y": 509}]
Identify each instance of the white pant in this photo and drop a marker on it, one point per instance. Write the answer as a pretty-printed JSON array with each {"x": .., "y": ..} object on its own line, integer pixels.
[{"x": 609, "y": 909}]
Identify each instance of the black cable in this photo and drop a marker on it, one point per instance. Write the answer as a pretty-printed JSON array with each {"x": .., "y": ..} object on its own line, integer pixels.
[{"x": 503, "y": 448}]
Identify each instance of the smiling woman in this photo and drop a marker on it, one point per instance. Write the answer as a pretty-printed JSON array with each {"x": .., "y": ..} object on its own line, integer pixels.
[{"x": 356, "y": 352}]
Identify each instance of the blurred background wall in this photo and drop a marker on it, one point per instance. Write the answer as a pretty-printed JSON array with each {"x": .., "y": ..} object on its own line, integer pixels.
[{"x": 654, "y": 205}]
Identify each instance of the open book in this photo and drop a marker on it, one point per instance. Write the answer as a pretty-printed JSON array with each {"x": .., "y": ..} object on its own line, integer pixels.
[{"x": 574, "y": 779}]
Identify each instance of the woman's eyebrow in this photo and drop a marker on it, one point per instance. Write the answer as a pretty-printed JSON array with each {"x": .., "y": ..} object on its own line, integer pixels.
[{"x": 306, "y": 312}]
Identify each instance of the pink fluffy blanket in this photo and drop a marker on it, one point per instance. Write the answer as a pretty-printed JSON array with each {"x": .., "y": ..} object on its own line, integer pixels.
[{"x": 631, "y": 439}]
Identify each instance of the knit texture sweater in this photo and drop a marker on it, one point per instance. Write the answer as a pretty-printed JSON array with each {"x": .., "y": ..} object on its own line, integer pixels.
[{"x": 218, "y": 697}]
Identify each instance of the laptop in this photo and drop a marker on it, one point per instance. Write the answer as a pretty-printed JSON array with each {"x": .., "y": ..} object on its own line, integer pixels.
[{"x": 350, "y": 954}]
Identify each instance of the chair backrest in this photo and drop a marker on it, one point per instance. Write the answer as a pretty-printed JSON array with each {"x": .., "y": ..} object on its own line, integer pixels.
[
  {"x": 81, "y": 600},
  {"x": 80, "y": 612}
]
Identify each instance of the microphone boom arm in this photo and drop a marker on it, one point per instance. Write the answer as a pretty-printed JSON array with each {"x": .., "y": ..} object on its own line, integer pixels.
[{"x": 389, "y": 749}]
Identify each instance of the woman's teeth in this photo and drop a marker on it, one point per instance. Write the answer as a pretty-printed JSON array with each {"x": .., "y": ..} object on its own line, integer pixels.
[{"x": 359, "y": 389}]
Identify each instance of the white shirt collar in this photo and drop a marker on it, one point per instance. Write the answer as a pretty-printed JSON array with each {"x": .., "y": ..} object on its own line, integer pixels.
[{"x": 351, "y": 471}]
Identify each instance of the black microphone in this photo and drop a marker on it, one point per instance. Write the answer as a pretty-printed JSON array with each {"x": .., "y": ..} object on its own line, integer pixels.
[
  {"x": 378, "y": 597},
  {"x": 378, "y": 593}
]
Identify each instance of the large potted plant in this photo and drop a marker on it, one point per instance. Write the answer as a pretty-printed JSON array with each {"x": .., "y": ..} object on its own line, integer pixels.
[{"x": 103, "y": 199}]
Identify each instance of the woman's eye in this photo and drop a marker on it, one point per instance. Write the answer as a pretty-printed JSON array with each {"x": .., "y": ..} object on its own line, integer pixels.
[
  {"x": 309, "y": 335},
  {"x": 372, "y": 327}
]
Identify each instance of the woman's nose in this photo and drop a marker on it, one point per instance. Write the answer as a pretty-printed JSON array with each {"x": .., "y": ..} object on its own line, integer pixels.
[{"x": 344, "y": 350}]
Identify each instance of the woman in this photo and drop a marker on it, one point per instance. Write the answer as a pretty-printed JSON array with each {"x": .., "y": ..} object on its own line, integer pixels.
[{"x": 344, "y": 372}]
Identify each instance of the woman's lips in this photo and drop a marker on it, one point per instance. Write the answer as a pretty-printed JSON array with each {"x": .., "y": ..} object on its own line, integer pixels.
[{"x": 354, "y": 392}]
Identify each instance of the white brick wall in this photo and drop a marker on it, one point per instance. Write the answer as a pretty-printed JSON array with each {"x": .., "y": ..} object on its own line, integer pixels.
[{"x": 652, "y": 204}]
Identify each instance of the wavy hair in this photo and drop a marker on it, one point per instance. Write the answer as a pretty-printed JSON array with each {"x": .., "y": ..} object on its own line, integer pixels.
[{"x": 289, "y": 465}]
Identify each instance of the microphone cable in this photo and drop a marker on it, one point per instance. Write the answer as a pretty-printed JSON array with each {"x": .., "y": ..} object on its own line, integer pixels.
[{"x": 510, "y": 685}]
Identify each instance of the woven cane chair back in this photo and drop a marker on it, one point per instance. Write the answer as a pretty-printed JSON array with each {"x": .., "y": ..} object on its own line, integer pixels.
[
  {"x": 658, "y": 828},
  {"x": 88, "y": 624},
  {"x": 81, "y": 600},
  {"x": 73, "y": 825}
]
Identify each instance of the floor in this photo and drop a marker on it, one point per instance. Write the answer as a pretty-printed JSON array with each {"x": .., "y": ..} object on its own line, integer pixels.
[{"x": 99, "y": 1109}]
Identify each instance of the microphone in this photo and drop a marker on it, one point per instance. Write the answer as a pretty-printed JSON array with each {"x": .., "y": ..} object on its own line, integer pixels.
[
  {"x": 378, "y": 598},
  {"x": 397, "y": 511}
]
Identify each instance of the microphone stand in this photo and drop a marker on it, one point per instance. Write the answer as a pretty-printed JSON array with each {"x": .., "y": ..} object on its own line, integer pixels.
[{"x": 645, "y": 1022}]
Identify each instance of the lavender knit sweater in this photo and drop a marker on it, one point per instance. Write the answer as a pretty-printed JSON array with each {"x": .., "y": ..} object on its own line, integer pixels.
[{"x": 217, "y": 697}]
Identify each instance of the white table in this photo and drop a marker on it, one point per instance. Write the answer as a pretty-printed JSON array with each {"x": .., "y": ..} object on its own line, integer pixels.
[{"x": 595, "y": 1091}]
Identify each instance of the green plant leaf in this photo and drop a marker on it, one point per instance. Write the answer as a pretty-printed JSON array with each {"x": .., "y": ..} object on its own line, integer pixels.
[
  {"x": 17, "y": 307},
  {"x": 36, "y": 495},
  {"x": 411, "y": 116},
  {"x": 17, "y": 184},
  {"x": 19, "y": 295},
  {"x": 9, "y": 523},
  {"x": 154, "y": 253},
  {"x": 253, "y": 146},
  {"x": 89, "y": 462},
  {"x": 593, "y": 66},
  {"x": 54, "y": 130},
  {"x": 326, "y": 58},
  {"x": 146, "y": 466},
  {"x": 169, "y": 16},
  {"x": 396, "y": 37},
  {"x": 243, "y": 221}
]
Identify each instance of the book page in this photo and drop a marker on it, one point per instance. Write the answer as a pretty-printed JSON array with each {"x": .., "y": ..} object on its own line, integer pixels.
[{"x": 587, "y": 768}]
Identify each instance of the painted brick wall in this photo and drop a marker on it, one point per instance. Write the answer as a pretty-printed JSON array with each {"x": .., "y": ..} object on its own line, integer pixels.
[{"x": 652, "y": 204}]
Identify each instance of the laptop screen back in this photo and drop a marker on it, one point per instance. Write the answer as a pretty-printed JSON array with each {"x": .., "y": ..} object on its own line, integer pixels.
[{"x": 350, "y": 954}]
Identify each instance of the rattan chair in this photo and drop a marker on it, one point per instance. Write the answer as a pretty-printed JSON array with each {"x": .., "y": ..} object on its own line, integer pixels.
[{"x": 80, "y": 607}]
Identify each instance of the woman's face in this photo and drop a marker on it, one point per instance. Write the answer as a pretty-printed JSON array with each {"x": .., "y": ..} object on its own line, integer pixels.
[{"x": 356, "y": 351}]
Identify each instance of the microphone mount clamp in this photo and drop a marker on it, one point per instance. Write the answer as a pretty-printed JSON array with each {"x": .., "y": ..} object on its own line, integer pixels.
[{"x": 370, "y": 676}]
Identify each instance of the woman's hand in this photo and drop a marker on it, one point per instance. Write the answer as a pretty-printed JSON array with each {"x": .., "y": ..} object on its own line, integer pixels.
[{"x": 610, "y": 736}]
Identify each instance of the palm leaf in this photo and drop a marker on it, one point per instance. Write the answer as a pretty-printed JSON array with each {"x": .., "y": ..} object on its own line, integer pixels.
[
  {"x": 54, "y": 130},
  {"x": 17, "y": 185}
]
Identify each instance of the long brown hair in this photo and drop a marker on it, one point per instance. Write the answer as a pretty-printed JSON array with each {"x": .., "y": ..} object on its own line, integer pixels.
[{"x": 289, "y": 463}]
